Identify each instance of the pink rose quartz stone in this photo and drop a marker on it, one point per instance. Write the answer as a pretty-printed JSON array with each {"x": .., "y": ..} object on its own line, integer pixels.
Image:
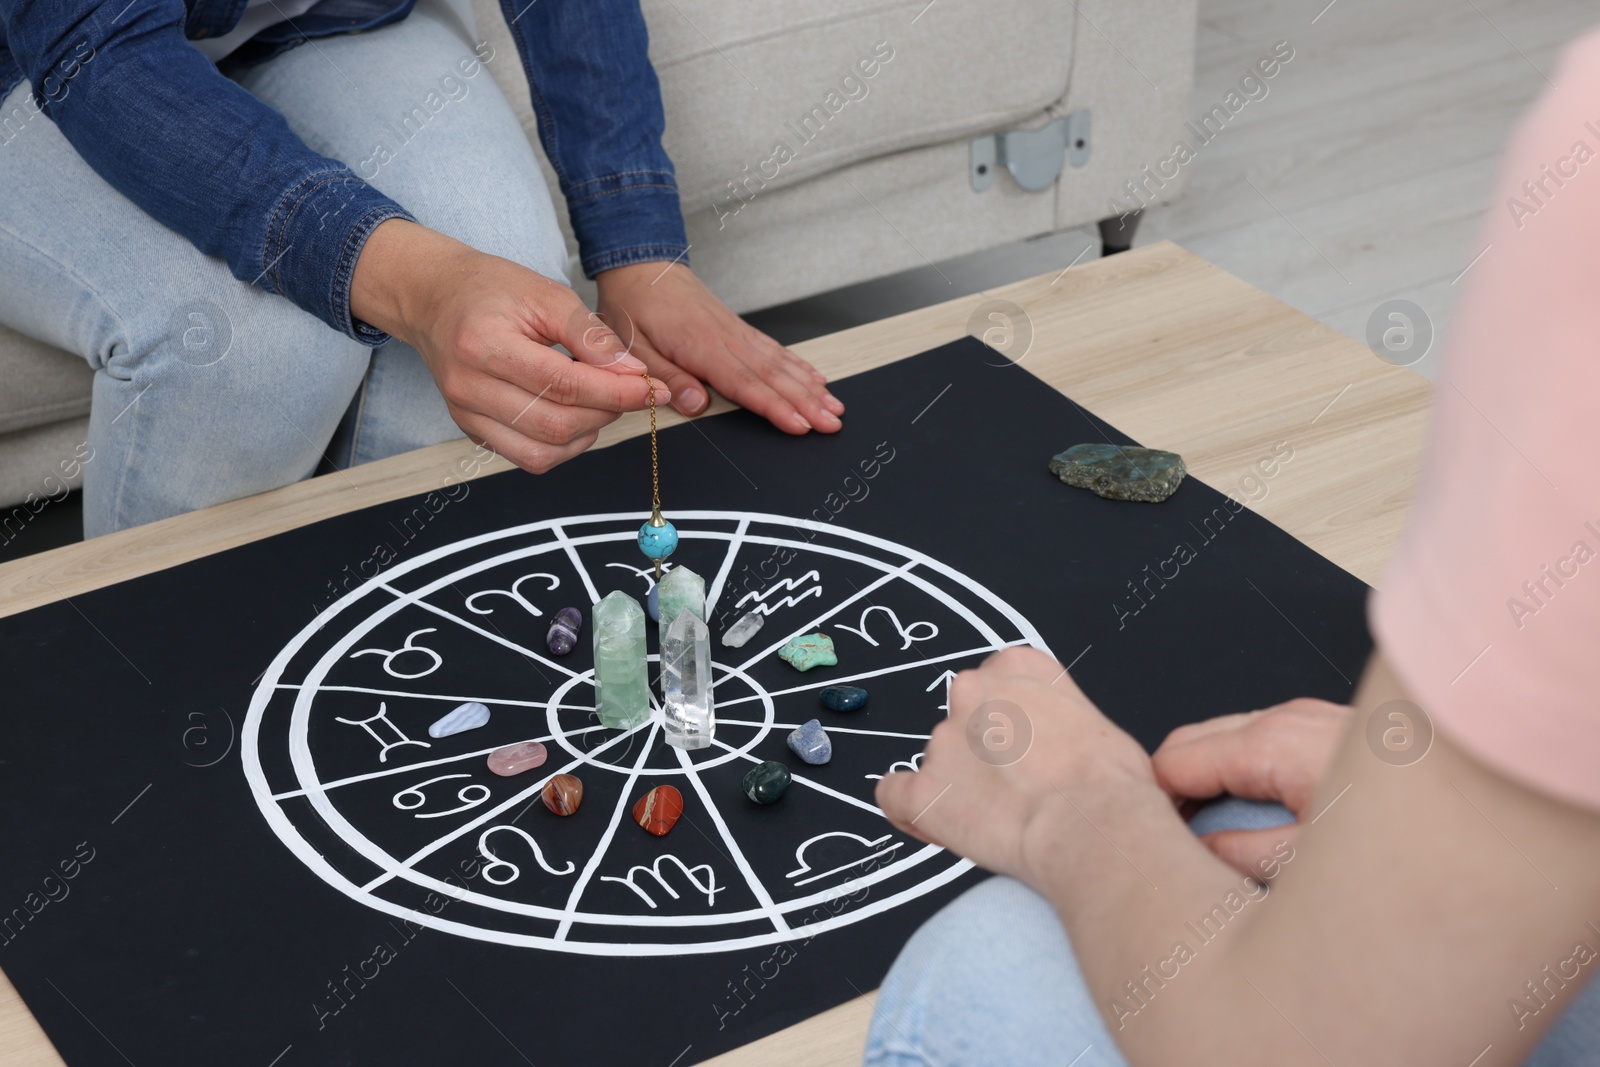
[{"x": 514, "y": 759}]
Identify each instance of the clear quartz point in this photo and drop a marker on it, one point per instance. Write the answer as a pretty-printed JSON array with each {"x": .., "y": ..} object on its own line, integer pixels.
[
  {"x": 686, "y": 682},
  {"x": 746, "y": 627}
]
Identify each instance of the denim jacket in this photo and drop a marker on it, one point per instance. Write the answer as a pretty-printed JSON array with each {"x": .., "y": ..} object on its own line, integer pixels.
[{"x": 157, "y": 120}]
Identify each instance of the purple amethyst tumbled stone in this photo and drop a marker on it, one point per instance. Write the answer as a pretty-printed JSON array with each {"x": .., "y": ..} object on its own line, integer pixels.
[{"x": 563, "y": 635}]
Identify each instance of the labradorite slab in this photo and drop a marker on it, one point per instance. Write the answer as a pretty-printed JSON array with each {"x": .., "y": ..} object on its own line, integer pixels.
[
  {"x": 1120, "y": 472},
  {"x": 812, "y": 650}
]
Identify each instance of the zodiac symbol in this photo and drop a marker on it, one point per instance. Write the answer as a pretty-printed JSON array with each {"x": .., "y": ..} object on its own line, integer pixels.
[
  {"x": 383, "y": 716},
  {"x": 805, "y": 868},
  {"x": 461, "y": 795},
  {"x": 516, "y": 872},
  {"x": 944, "y": 679},
  {"x": 709, "y": 888},
  {"x": 913, "y": 764},
  {"x": 908, "y": 634},
  {"x": 647, "y": 573},
  {"x": 390, "y": 656},
  {"x": 515, "y": 593},
  {"x": 763, "y": 607}
]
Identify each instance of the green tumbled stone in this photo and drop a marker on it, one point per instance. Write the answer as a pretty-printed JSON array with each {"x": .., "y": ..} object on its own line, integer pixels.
[
  {"x": 766, "y": 782},
  {"x": 812, "y": 650},
  {"x": 1121, "y": 472}
]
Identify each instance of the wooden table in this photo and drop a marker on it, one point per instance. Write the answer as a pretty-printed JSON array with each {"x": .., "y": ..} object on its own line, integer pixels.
[{"x": 1165, "y": 346}]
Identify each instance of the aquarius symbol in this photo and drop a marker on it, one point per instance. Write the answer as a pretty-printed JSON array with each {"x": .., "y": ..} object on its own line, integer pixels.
[
  {"x": 515, "y": 593},
  {"x": 709, "y": 888},
  {"x": 908, "y": 634},
  {"x": 389, "y": 657},
  {"x": 765, "y": 607},
  {"x": 516, "y": 872},
  {"x": 383, "y": 716}
]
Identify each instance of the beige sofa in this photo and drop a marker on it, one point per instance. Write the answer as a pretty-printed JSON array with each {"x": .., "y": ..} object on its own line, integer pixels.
[{"x": 877, "y": 172}]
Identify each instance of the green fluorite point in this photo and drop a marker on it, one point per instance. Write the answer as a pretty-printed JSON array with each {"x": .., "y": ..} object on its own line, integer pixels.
[
  {"x": 681, "y": 590},
  {"x": 622, "y": 680},
  {"x": 1120, "y": 472}
]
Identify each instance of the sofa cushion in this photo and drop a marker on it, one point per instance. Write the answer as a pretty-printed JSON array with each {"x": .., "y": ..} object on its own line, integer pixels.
[
  {"x": 41, "y": 464},
  {"x": 742, "y": 82},
  {"x": 738, "y": 79},
  {"x": 41, "y": 384}
]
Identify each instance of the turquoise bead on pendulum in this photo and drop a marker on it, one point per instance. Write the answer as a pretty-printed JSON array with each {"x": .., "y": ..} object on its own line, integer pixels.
[{"x": 657, "y": 537}]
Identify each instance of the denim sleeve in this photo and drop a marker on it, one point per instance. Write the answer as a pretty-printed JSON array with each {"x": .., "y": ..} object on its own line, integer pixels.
[
  {"x": 598, "y": 105},
  {"x": 156, "y": 120}
]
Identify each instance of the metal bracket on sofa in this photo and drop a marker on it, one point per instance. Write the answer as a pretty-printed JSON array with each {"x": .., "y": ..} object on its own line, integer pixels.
[{"x": 1034, "y": 157}]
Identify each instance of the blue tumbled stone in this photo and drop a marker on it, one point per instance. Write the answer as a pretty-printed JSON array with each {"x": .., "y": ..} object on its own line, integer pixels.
[
  {"x": 468, "y": 716},
  {"x": 811, "y": 742},
  {"x": 844, "y": 698},
  {"x": 652, "y": 603}
]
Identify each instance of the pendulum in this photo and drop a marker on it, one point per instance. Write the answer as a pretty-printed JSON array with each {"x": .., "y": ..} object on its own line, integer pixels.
[{"x": 657, "y": 537}]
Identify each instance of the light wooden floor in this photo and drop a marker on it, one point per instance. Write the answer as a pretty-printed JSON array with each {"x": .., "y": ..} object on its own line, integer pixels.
[
  {"x": 1372, "y": 159},
  {"x": 1375, "y": 152}
]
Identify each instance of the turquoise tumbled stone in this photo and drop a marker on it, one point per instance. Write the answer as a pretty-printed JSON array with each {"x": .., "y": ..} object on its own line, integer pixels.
[
  {"x": 766, "y": 782},
  {"x": 658, "y": 542},
  {"x": 844, "y": 698},
  {"x": 812, "y": 650}
]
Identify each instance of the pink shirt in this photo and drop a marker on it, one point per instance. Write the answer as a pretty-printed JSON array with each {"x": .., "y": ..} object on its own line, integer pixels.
[{"x": 1490, "y": 610}]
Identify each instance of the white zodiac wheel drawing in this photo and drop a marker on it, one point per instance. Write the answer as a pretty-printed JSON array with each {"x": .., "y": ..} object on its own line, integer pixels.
[{"x": 338, "y": 754}]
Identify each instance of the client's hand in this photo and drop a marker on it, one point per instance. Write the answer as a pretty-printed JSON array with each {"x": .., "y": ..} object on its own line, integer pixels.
[
  {"x": 1277, "y": 754},
  {"x": 1022, "y": 753},
  {"x": 485, "y": 327}
]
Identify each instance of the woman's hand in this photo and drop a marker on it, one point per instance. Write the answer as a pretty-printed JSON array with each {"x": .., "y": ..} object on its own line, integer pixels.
[
  {"x": 1022, "y": 752},
  {"x": 690, "y": 339},
  {"x": 1277, "y": 754},
  {"x": 485, "y": 327}
]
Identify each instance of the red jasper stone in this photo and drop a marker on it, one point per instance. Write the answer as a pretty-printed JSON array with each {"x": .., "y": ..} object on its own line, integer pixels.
[
  {"x": 563, "y": 794},
  {"x": 658, "y": 810}
]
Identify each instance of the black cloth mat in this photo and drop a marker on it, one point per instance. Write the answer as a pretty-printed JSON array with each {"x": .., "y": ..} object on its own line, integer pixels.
[{"x": 150, "y": 914}]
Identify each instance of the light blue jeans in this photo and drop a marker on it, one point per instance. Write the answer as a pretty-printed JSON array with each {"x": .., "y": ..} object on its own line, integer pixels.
[
  {"x": 206, "y": 388},
  {"x": 991, "y": 979}
]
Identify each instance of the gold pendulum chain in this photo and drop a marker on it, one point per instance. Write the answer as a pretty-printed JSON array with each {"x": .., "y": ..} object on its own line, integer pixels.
[{"x": 655, "y": 467}]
